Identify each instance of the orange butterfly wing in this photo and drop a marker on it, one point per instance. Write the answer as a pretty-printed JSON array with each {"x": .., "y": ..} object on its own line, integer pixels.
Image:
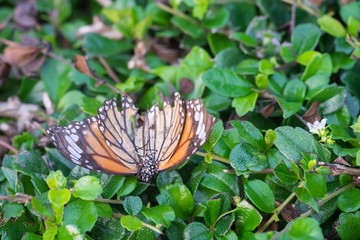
[
  {"x": 197, "y": 128},
  {"x": 83, "y": 144}
]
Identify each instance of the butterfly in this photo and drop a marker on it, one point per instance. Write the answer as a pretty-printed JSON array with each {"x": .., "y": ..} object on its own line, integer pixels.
[{"x": 125, "y": 143}]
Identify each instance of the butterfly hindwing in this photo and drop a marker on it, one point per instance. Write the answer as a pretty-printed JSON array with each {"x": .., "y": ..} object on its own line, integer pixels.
[
  {"x": 83, "y": 144},
  {"x": 197, "y": 127}
]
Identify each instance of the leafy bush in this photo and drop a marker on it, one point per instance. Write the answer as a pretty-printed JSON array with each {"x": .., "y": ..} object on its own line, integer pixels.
[{"x": 268, "y": 70}]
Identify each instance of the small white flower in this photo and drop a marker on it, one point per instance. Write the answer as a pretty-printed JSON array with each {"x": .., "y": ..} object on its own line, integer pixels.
[{"x": 317, "y": 127}]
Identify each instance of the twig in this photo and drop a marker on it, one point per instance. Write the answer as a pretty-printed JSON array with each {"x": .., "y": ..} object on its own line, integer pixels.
[
  {"x": 143, "y": 223},
  {"x": 5, "y": 144},
  {"x": 53, "y": 55},
  {"x": 110, "y": 72},
  {"x": 301, "y": 119},
  {"x": 337, "y": 169},
  {"x": 308, "y": 213},
  {"x": 176, "y": 12},
  {"x": 286, "y": 65},
  {"x": 304, "y": 7},
  {"x": 109, "y": 201},
  {"x": 19, "y": 198},
  {"x": 293, "y": 16},
  {"x": 220, "y": 159}
]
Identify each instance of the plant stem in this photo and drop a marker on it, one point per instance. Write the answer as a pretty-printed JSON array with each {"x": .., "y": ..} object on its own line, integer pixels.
[
  {"x": 304, "y": 7},
  {"x": 221, "y": 216},
  {"x": 308, "y": 213},
  {"x": 110, "y": 72},
  {"x": 109, "y": 201},
  {"x": 218, "y": 158},
  {"x": 119, "y": 215},
  {"x": 8, "y": 146},
  {"x": 176, "y": 12}
]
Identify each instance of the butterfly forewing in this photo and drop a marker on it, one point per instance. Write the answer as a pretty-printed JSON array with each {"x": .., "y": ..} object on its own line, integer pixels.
[
  {"x": 118, "y": 130},
  {"x": 197, "y": 128},
  {"x": 83, "y": 144}
]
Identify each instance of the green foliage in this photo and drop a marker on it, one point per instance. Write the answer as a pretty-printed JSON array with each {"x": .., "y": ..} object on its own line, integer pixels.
[{"x": 263, "y": 74}]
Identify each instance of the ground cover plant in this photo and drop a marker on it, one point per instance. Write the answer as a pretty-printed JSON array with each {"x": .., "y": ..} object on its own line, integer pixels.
[{"x": 281, "y": 77}]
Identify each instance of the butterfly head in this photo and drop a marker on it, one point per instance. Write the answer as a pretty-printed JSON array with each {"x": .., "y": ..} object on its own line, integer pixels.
[{"x": 148, "y": 167}]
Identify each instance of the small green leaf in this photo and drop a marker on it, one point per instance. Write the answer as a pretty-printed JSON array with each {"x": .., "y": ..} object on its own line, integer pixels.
[
  {"x": 244, "y": 38},
  {"x": 132, "y": 205},
  {"x": 306, "y": 228},
  {"x": 87, "y": 188},
  {"x": 108, "y": 229},
  {"x": 262, "y": 81},
  {"x": 161, "y": 214},
  {"x": 349, "y": 226},
  {"x": 248, "y": 67},
  {"x": 216, "y": 18},
  {"x": 247, "y": 218},
  {"x": 295, "y": 91},
  {"x": 40, "y": 208},
  {"x": 283, "y": 173},
  {"x": 128, "y": 186},
  {"x": 289, "y": 108},
  {"x": 244, "y": 157},
  {"x": 305, "y": 37},
  {"x": 316, "y": 184},
  {"x": 187, "y": 27},
  {"x": 226, "y": 83},
  {"x": 250, "y": 133},
  {"x": 212, "y": 211},
  {"x": 245, "y": 104},
  {"x": 270, "y": 137},
  {"x": 131, "y": 223},
  {"x": 95, "y": 44},
  {"x": 196, "y": 231},
  {"x": 12, "y": 210},
  {"x": 260, "y": 194},
  {"x": 56, "y": 180},
  {"x": 266, "y": 67},
  {"x": 305, "y": 197},
  {"x": 214, "y": 137},
  {"x": 331, "y": 26},
  {"x": 103, "y": 209},
  {"x": 59, "y": 197},
  {"x": 349, "y": 201}
]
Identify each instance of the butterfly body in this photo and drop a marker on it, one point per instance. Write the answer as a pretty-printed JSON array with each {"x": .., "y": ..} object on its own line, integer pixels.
[{"x": 115, "y": 142}]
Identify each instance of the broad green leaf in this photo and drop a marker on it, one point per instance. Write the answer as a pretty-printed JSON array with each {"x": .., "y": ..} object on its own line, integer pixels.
[
  {"x": 349, "y": 226},
  {"x": 103, "y": 209},
  {"x": 132, "y": 205},
  {"x": 245, "y": 104},
  {"x": 179, "y": 197},
  {"x": 224, "y": 224},
  {"x": 212, "y": 211},
  {"x": 250, "y": 133},
  {"x": 131, "y": 223},
  {"x": 219, "y": 42},
  {"x": 260, "y": 194},
  {"x": 176, "y": 229},
  {"x": 248, "y": 67},
  {"x": 59, "y": 197},
  {"x": 289, "y": 108},
  {"x": 323, "y": 153},
  {"x": 226, "y": 83},
  {"x": 283, "y": 173},
  {"x": 305, "y": 37},
  {"x": 196, "y": 175},
  {"x": 187, "y": 27},
  {"x": 82, "y": 214},
  {"x": 200, "y": 8},
  {"x": 95, "y": 44},
  {"x": 161, "y": 214},
  {"x": 316, "y": 184},
  {"x": 87, "y": 188},
  {"x": 198, "y": 58},
  {"x": 349, "y": 201},
  {"x": 12, "y": 210},
  {"x": 216, "y": 18},
  {"x": 228, "y": 58},
  {"x": 307, "y": 56},
  {"x": 318, "y": 65},
  {"x": 168, "y": 177},
  {"x": 244, "y": 38},
  {"x": 111, "y": 184},
  {"x": 262, "y": 81},
  {"x": 247, "y": 218},
  {"x": 331, "y": 26},
  {"x": 196, "y": 231},
  {"x": 40, "y": 208},
  {"x": 29, "y": 163},
  {"x": 306, "y": 228},
  {"x": 305, "y": 197},
  {"x": 32, "y": 236},
  {"x": 128, "y": 186},
  {"x": 108, "y": 229},
  {"x": 292, "y": 142},
  {"x": 245, "y": 157},
  {"x": 266, "y": 67},
  {"x": 295, "y": 91}
]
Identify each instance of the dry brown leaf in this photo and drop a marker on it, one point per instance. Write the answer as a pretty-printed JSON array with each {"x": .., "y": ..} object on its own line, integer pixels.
[
  {"x": 82, "y": 66},
  {"x": 138, "y": 60},
  {"x": 340, "y": 160},
  {"x": 345, "y": 2},
  {"x": 267, "y": 110},
  {"x": 312, "y": 113},
  {"x": 20, "y": 55},
  {"x": 4, "y": 72},
  {"x": 186, "y": 86},
  {"x": 25, "y": 14},
  {"x": 289, "y": 212},
  {"x": 3, "y": 149},
  {"x": 99, "y": 27}
]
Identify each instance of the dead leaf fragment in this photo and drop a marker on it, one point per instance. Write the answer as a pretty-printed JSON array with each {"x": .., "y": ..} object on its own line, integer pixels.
[
  {"x": 3, "y": 149},
  {"x": 267, "y": 110},
  {"x": 312, "y": 114},
  {"x": 340, "y": 160},
  {"x": 4, "y": 72},
  {"x": 138, "y": 60},
  {"x": 20, "y": 55},
  {"x": 25, "y": 14},
  {"x": 82, "y": 66},
  {"x": 99, "y": 27}
]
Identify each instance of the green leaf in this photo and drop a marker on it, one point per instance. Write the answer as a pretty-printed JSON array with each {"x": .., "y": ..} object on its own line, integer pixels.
[
  {"x": 224, "y": 225},
  {"x": 40, "y": 208},
  {"x": 323, "y": 153},
  {"x": 318, "y": 65},
  {"x": 131, "y": 223},
  {"x": 228, "y": 58},
  {"x": 111, "y": 184},
  {"x": 244, "y": 157},
  {"x": 216, "y": 18},
  {"x": 214, "y": 137},
  {"x": 128, "y": 186},
  {"x": 197, "y": 231},
  {"x": 196, "y": 175},
  {"x": 219, "y": 42},
  {"x": 161, "y": 214},
  {"x": 187, "y": 27},
  {"x": 168, "y": 177},
  {"x": 108, "y": 229},
  {"x": 200, "y": 8},
  {"x": 260, "y": 194},
  {"x": 179, "y": 197},
  {"x": 103, "y": 209},
  {"x": 12, "y": 210},
  {"x": 245, "y": 104},
  {"x": 349, "y": 201},
  {"x": 305, "y": 197},
  {"x": 305, "y": 37},
  {"x": 144, "y": 233},
  {"x": 316, "y": 184},
  {"x": 59, "y": 197},
  {"x": 307, "y": 56},
  {"x": 226, "y": 83},
  {"x": 306, "y": 228},
  {"x": 289, "y": 108},
  {"x": 212, "y": 211},
  {"x": 250, "y": 133},
  {"x": 29, "y": 163},
  {"x": 349, "y": 226},
  {"x": 295, "y": 91},
  {"x": 292, "y": 142},
  {"x": 175, "y": 230},
  {"x": 331, "y": 26},
  {"x": 81, "y": 214},
  {"x": 198, "y": 58},
  {"x": 132, "y": 205},
  {"x": 87, "y": 188},
  {"x": 247, "y": 218},
  {"x": 55, "y": 76},
  {"x": 262, "y": 81},
  {"x": 266, "y": 67},
  {"x": 244, "y": 38},
  {"x": 141, "y": 28},
  {"x": 32, "y": 236},
  {"x": 248, "y": 67},
  {"x": 95, "y": 44},
  {"x": 283, "y": 173}
]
